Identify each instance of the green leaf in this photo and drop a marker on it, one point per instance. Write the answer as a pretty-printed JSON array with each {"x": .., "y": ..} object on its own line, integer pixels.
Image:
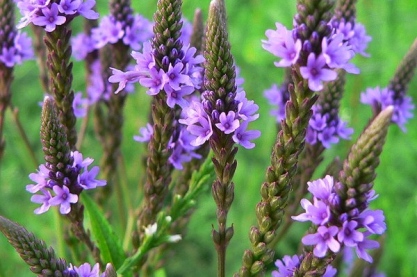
[{"x": 110, "y": 247}]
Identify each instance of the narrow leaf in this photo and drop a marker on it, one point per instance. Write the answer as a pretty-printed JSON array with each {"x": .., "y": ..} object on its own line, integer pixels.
[{"x": 110, "y": 247}]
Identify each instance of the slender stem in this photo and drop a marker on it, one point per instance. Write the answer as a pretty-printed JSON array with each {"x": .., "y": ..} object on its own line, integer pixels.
[
  {"x": 59, "y": 233},
  {"x": 83, "y": 129},
  {"x": 18, "y": 124}
]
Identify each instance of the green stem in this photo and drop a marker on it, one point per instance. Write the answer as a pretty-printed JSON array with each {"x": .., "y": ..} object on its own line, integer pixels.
[{"x": 18, "y": 124}]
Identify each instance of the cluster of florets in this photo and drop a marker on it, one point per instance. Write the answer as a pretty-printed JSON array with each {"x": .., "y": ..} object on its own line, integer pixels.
[
  {"x": 201, "y": 117},
  {"x": 111, "y": 31},
  {"x": 97, "y": 90},
  {"x": 49, "y": 14},
  {"x": 278, "y": 97},
  {"x": 18, "y": 51},
  {"x": 289, "y": 265},
  {"x": 85, "y": 270},
  {"x": 380, "y": 98},
  {"x": 176, "y": 79},
  {"x": 179, "y": 143},
  {"x": 337, "y": 227},
  {"x": 326, "y": 129},
  {"x": 335, "y": 51},
  {"x": 64, "y": 186}
]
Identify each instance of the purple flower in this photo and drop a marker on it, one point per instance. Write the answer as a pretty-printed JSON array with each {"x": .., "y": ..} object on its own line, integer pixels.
[
  {"x": 8, "y": 57},
  {"x": 144, "y": 60},
  {"x": 69, "y": 6},
  {"x": 343, "y": 131},
  {"x": 123, "y": 78},
  {"x": 337, "y": 54},
  {"x": 86, "y": 10},
  {"x": 63, "y": 198},
  {"x": 321, "y": 188},
  {"x": 243, "y": 137},
  {"x": 281, "y": 43},
  {"x": 275, "y": 97},
  {"x": 323, "y": 239},
  {"x": 330, "y": 271},
  {"x": 40, "y": 178},
  {"x": 81, "y": 46},
  {"x": 80, "y": 105},
  {"x": 109, "y": 31},
  {"x": 360, "y": 40},
  {"x": 174, "y": 77},
  {"x": 328, "y": 137},
  {"x": 380, "y": 99},
  {"x": 49, "y": 18},
  {"x": 87, "y": 180},
  {"x": 319, "y": 213},
  {"x": 176, "y": 97},
  {"x": 287, "y": 266},
  {"x": 139, "y": 32},
  {"x": 228, "y": 123},
  {"x": 318, "y": 121},
  {"x": 155, "y": 82},
  {"x": 246, "y": 110},
  {"x": 364, "y": 245},
  {"x": 315, "y": 72},
  {"x": 373, "y": 221},
  {"x": 79, "y": 161},
  {"x": 349, "y": 235},
  {"x": 85, "y": 270},
  {"x": 202, "y": 131},
  {"x": 145, "y": 133},
  {"x": 43, "y": 199}
]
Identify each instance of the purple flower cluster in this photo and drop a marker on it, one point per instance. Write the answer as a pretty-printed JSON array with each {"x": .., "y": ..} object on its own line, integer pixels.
[
  {"x": 354, "y": 34},
  {"x": 337, "y": 228},
  {"x": 97, "y": 90},
  {"x": 49, "y": 14},
  {"x": 85, "y": 270},
  {"x": 57, "y": 189},
  {"x": 289, "y": 265},
  {"x": 325, "y": 129},
  {"x": 380, "y": 99},
  {"x": 179, "y": 79},
  {"x": 278, "y": 97},
  {"x": 200, "y": 122},
  {"x": 19, "y": 51},
  {"x": 180, "y": 143},
  {"x": 111, "y": 31},
  {"x": 335, "y": 53}
]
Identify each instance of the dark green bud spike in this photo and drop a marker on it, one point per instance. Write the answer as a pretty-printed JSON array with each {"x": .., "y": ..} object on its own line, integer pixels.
[
  {"x": 404, "y": 72},
  {"x": 197, "y": 37},
  {"x": 363, "y": 159},
  {"x": 219, "y": 66},
  {"x": 167, "y": 30},
  {"x": 55, "y": 145},
  {"x": 34, "y": 252},
  {"x": 346, "y": 10}
]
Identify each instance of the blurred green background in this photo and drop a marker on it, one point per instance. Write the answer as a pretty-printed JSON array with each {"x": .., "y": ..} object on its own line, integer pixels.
[{"x": 393, "y": 27}]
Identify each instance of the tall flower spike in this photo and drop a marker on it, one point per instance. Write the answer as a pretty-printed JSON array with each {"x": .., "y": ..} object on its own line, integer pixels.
[
  {"x": 6, "y": 72},
  {"x": 122, "y": 12},
  {"x": 34, "y": 252},
  {"x": 353, "y": 190},
  {"x": 60, "y": 74},
  {"x": 54, "y": 140},
  {"x": 363, "y": 159},
  {"x": 311, "y": 27},
  {"x": 166, "y": 45},
  {"x": 220, "y": 104}
]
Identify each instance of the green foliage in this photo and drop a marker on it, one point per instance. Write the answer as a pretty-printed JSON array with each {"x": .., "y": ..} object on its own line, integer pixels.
[{"x": 109, "y": 244}]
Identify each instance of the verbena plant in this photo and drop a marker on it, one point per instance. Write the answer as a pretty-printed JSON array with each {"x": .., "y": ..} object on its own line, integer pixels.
[{"x": 199, "y": 117}]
